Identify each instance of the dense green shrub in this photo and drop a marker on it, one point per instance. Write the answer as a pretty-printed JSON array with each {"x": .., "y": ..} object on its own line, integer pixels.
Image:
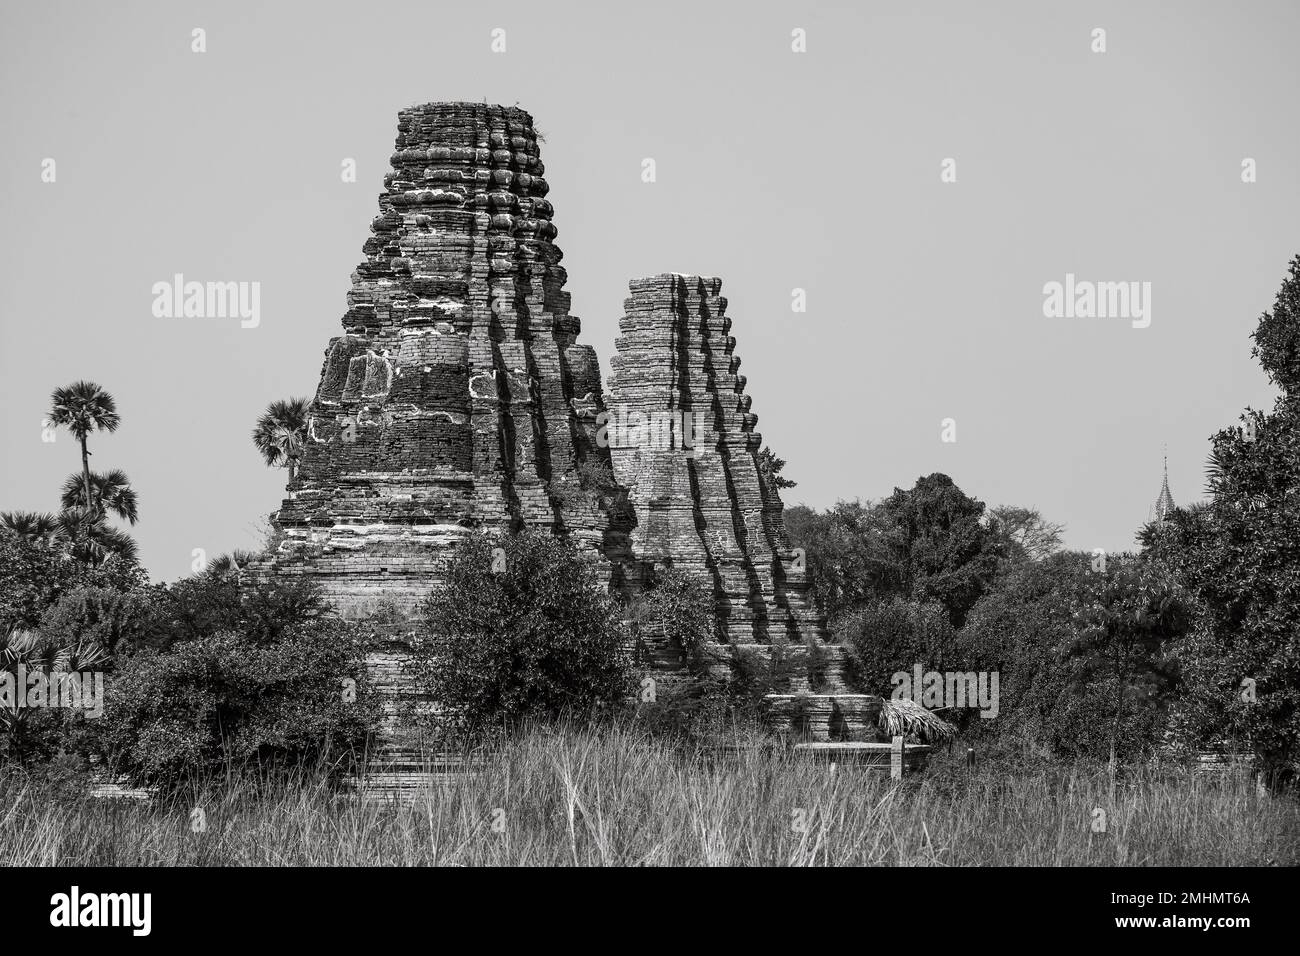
[
  {"x": 303, "y": 697},
  {"x": 847, "y": 554},
  {"x": 206, "y": 668},
  {"x": 35, "y": 575},
  {"x": 38, "y": 733},
  {"x": 98, "y": 616},
  {"x": 1082, "y": 653},
  {"x": 519, "y": 627},
  {"x": 207, "y": 604},
  {"x": 673, "y": 622},
  {"x": 1018, "y": 629},
  {"x": 675, "y": 608},
  {"x": 1088, "y": 720},
  {"x": 892, "y": 636}
]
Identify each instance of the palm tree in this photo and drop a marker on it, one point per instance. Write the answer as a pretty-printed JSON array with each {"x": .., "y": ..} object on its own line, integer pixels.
[
  {"x": 84, "y": 407},
  {"x": 94, "y": 540},
  {"x": 91, "y": 541},
  {"x": 224, "y": 565},
  {"x": 281, "y": 433},
  {"x": 31, "y": 651},
  {"x": 33, "y": 526},
  {"x": 112, "y": 490}
]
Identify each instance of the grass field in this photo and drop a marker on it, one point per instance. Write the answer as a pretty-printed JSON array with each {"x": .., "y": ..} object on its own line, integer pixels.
[{"x": 619, "y": 798}]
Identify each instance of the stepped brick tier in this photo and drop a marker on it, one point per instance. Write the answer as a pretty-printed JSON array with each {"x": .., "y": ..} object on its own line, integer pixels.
[
  {"x": 683, "y": 443},
  {"x": 457, "y": 396},
  {"x": 707, "y": 508}
]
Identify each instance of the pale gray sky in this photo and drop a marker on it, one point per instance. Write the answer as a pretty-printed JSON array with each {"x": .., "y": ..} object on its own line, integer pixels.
[{"x": 776, "y": 171}]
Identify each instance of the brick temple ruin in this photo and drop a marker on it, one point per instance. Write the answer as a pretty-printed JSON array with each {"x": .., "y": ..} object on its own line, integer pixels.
[{"x": 457, "y": 398}]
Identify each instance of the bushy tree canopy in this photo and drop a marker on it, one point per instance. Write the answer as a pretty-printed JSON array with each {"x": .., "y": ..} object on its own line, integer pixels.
[
  {"x": 35, "y": 575},
  {"x": 519, "y": 627},
  {"x": 930, "y": 543},
  {"x": 1239, "y": 556},
  {"x": 302, "y": 698}
]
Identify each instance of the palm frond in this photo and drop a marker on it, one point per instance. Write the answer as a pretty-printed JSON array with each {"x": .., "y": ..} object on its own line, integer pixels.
[
  {"x": 93, "y": 540},
  {"x": 232, "y": 563},
  {"x": 83, "y": 407},
  {"x": 1215, "y": 472},
  {"x": 19, "y": 646},
  {"x": 281, "y": 431},
  {"x": 112, "y": 490},
  {"x": 37, "y": 527}
]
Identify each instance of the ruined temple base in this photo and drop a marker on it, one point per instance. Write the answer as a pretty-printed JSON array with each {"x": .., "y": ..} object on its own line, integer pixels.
[{"x": 825, "y": 717}]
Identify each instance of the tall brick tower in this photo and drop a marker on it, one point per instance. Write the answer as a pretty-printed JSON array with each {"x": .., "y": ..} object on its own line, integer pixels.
[
  {"x": 457, "y": 396},
  {"x": 704, "y": 504}
]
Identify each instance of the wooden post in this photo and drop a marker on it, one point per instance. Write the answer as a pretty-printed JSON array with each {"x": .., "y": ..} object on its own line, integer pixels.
[
  {"x": 970, "y": 758},
  {"x": 896, "y": 759}
]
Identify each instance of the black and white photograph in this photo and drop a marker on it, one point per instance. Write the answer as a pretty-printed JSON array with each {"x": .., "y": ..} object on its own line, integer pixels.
[{"x": 383, "y": 489}]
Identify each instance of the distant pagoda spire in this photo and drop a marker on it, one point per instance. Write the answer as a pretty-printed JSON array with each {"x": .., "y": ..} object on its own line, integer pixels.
[{"x": 1165, "y": 503}]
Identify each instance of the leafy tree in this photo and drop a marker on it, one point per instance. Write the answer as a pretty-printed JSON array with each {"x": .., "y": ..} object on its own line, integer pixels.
[
  {"x": 84, "y": 407},
  {"x": 1029, "y": 535},
  {"x": 281, "y": 433},
  {"x": 1083, "y": 656},
  {"x": 1277, "y": 336},
  {"x": 219, "y": 701},
  {"x": 1126, "y": 623},
  {"x": 941, "y": 548},
  {"x": 895, "y": 635},
  {"x": 847, "y": 555},
  {"x": 519, "y": 627},
  {"x": 1238, "y": 556},
  {"x": 33, "y": 577},
  {"x": 1017, "y": 629},
  {"x": 770, "y": 467},
  {"x": 261, "y": 612},
  {"x": 930, "y": 543}
]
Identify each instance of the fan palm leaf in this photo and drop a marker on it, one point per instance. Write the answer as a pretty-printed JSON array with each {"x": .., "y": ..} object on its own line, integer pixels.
[
  {"x": 111, "y": 489},
  {"x": 1215, "y": 472},
  {"x": 232, "y": 563},
  {"x": 83, "y": 407},
  {"x": 94, "y": 540},
  {"x": 36, "y": 527},
  {"x": 281, "y": 433}
]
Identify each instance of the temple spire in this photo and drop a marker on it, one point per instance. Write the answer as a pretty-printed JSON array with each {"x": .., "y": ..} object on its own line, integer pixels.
[{"x": 1164, "y": 503}]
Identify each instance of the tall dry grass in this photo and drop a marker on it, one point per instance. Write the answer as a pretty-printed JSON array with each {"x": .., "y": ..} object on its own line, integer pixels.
[{"x": 620, "y": 798}]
